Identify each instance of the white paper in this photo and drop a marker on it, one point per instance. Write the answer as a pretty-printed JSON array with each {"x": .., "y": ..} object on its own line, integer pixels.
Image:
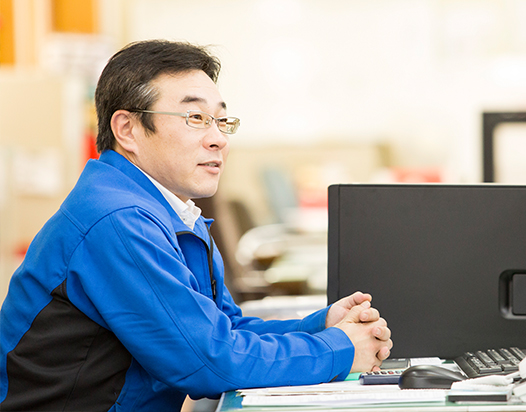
[
  {"x": 426, "y": 361},
  {"x": 338, "y": 393}
]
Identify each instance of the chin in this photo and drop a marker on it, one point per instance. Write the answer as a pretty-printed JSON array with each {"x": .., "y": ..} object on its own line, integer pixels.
[{"x": 204, "y": 194}]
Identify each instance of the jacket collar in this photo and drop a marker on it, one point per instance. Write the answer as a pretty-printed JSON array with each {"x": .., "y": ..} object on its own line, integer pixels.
[{"x": 118, "y": 161}]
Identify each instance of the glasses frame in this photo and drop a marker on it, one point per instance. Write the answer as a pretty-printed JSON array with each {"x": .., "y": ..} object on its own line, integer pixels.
[{"x": 186, "y": 115}]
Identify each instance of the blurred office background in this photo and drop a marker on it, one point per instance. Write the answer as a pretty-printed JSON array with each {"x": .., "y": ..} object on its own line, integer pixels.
[{"x": 329, "y": 91}]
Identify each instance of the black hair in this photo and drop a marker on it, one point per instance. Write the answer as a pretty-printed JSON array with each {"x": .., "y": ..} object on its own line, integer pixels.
[{"x": 126, "y": 81}]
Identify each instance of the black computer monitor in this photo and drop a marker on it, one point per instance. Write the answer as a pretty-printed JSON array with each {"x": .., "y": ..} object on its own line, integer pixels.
[{"x": 445, "y": 264}]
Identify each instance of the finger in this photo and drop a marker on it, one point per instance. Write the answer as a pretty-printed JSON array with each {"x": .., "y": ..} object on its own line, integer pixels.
[
  {"x": 383, "y": 353},
  {"x": 358, "y": 298},
  {"x": 382, "y": 333},
  {"x": 354, "y": 314},
  {"x": 370, "y": 315}
]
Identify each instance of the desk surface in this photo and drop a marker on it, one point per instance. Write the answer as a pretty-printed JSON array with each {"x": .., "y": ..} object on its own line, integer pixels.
[{"x": 232, "y": 402}]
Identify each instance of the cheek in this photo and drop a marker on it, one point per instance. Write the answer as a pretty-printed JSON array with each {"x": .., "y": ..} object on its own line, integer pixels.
[
  {"x": 225, "y": 153},
  {"x": 180, "y": 157}
]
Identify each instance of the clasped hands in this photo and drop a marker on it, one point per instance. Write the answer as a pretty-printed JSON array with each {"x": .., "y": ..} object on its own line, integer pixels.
[{"x": 365, "y": 328}]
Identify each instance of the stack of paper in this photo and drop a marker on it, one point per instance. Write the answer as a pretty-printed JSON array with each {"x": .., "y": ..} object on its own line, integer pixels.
[{"x": 337, "y": 394}]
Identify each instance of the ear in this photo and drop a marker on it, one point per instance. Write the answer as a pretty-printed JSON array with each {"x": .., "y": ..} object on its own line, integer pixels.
[{"x": 124, "y": 127}]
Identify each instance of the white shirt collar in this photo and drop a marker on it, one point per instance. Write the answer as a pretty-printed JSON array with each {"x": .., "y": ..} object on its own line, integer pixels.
[{"x": 188, "y": 212}]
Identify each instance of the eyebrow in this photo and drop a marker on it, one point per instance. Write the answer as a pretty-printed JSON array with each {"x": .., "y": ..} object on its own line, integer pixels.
[{"x": 193, "y": 99}]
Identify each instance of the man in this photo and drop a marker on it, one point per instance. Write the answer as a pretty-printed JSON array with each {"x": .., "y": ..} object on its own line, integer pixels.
[{"x": 120, "y": 303}]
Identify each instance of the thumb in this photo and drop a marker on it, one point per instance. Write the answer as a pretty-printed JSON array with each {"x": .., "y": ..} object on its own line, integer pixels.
[{"x": 354, "y": 314}]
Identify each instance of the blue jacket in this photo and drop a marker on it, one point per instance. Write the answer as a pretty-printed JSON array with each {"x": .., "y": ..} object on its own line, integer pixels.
[{"x": 113, "y": 309}]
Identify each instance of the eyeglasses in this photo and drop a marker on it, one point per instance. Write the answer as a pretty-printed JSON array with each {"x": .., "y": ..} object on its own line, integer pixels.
[{"x": 202, "y": 120}]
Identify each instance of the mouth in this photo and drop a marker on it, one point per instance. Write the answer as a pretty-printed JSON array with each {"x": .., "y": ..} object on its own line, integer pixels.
[
  {"x": 211, "y": 164},
  {"x": 213, "y": 167}
]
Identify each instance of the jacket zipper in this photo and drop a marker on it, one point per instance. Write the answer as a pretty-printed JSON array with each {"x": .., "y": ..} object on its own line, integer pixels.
[
  {"x": 213, "y": 282},
  {"x": 210, "y": 256}
]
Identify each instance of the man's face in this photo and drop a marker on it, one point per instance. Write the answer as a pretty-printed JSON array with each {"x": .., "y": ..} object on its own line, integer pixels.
[{"x": 186, "y": 161}]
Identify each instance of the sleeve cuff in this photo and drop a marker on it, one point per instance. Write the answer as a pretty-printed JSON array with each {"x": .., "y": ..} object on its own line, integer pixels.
[
  {"x": 315, "y": 322},
  {"x": 343, "y": 351}
]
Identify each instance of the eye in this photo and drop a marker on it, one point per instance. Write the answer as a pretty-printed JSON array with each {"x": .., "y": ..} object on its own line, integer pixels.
[
  {"x": 198, "y": 120},
  {"x": 198, "y": 117},
  {"x": 228, "y": 124}
]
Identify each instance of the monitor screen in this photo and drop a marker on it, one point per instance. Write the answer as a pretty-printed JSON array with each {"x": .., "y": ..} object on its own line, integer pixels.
[{"x": 445, "y": 264}]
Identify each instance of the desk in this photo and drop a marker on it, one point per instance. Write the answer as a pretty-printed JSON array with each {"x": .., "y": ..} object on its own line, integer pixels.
[{"x": 231, "y": 402}]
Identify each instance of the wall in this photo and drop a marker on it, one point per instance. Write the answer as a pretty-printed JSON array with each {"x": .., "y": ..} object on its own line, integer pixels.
[
  {"x": 303, "y": 174},
  {"x": 40, "y": 136},
  {"x": 415, "y": 74},
  {"x": 51, "y": 53},
  {"x": 409, "y": 75}
]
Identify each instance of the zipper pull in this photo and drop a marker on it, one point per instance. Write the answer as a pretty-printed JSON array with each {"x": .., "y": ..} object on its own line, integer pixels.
[{"x": 214, "y": 289}]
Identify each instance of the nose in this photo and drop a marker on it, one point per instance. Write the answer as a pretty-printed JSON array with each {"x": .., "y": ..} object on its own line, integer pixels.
[{"x": 215, "y": 139}]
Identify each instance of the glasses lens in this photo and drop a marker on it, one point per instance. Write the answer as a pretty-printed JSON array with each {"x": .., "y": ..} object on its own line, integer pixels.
[
  {"x": 228, "y": 125},
  {"x": 199, "y": 120}
]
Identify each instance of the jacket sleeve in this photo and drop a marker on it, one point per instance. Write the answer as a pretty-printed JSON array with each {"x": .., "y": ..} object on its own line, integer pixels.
[
  {"x": 127, "y": 276},
  {"x": 313, "y": 323}
]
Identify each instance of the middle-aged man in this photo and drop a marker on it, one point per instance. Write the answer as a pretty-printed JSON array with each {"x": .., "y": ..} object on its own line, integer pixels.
[{"x": 120, "y": 303}]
